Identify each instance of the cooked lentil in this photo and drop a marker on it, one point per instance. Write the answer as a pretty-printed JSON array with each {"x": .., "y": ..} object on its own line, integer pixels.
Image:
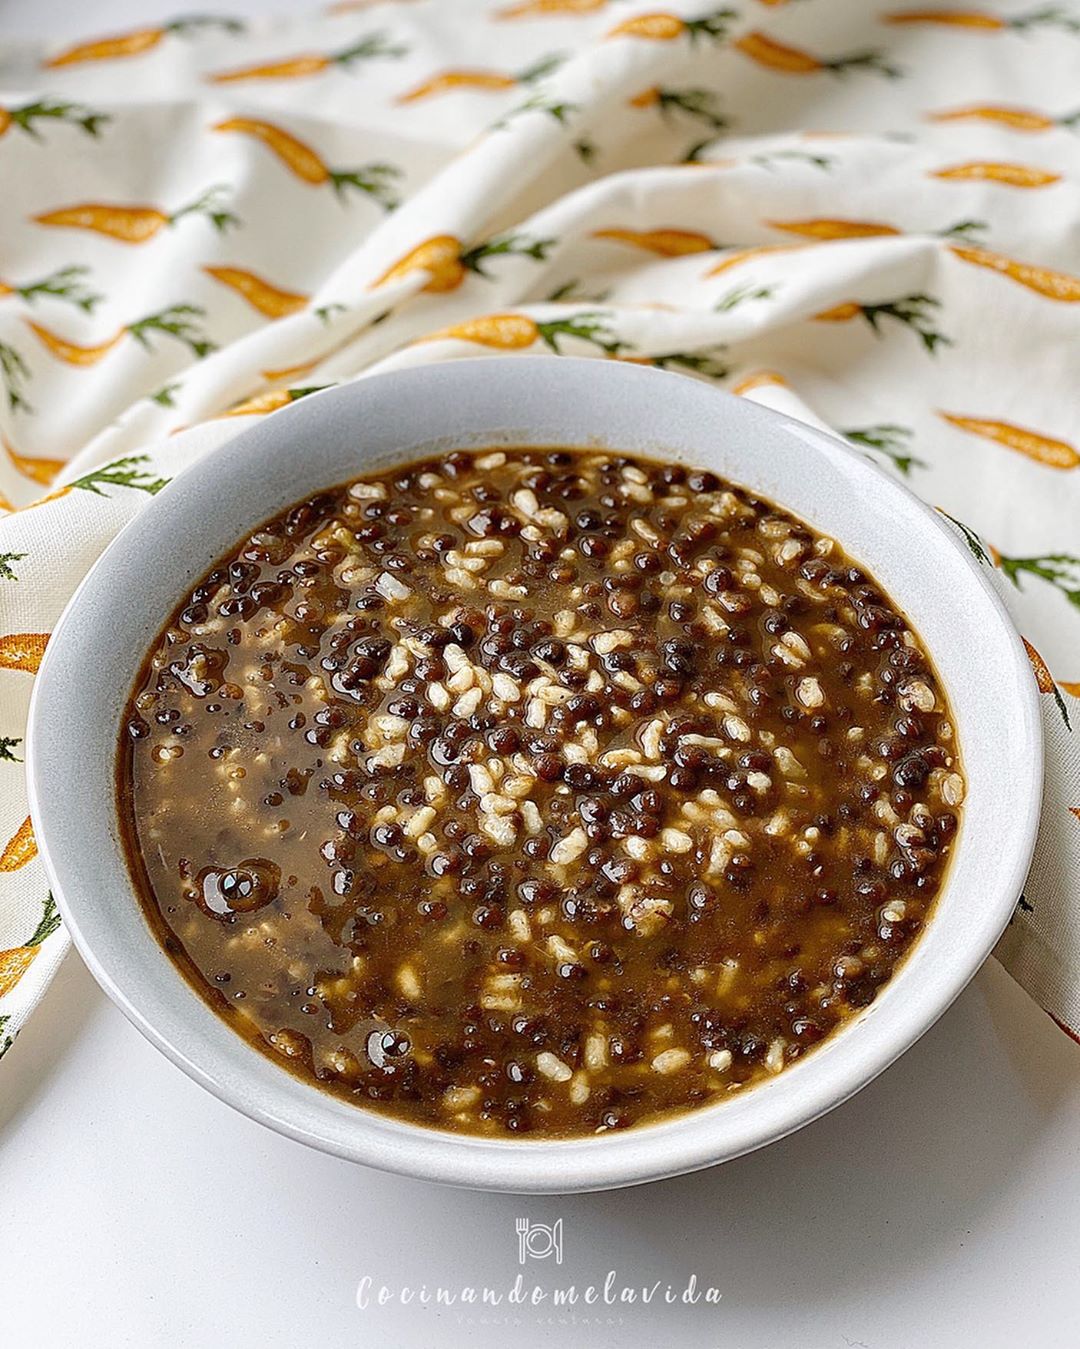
[{"x": 537, "y": 792}]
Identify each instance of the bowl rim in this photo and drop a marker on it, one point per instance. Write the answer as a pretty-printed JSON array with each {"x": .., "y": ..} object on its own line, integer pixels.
[{"x": 285, "y": 1103}]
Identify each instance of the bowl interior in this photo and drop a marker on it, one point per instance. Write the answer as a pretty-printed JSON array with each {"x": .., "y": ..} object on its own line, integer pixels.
[{"x": 331, "y": 437}]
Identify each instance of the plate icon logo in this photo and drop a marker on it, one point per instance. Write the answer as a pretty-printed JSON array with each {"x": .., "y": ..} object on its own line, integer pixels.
[{"x": 537, "y": 1241}]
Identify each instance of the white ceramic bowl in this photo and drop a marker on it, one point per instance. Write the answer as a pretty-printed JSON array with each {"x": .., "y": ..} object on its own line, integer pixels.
[{"x": 95, "y": 652}]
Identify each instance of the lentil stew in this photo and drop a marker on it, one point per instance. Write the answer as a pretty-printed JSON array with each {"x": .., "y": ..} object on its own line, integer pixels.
[{"x": 537, "y": 792}]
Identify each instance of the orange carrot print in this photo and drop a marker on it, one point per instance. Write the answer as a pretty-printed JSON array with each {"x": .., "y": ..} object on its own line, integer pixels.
[
  {"x": 447, "y": 261},
  {"x": 270, "y": 401},
  {"x": 261, "y": 295},
  {"x": 21, "y": 848},
  {"x": 663, "y": 27},
  {"x": 483, "y": 81},
  {"x": 138, "y": 41},
  {"x": 912, "y": 311},
  {"x": 1045, "y": 681},
  {"x": 440, "y": 257},
  {"x": 1043, "y": 677},
  {"x": 504, "y": 332},
  {"x": 778, "y": 56},
  {"x": 307, "y": 165},
  {"x": 840, "y": 313},
  {"x": 1004, "y": 115},
  {"x": 741, "y": 255},
  {"x": 300, "y": 67},
  {"x": 946, "y": 18},
  {"x": 289, "y": 371},
  {"x": 15, "y": 962},
  {"x": 450, "y": 81},
  {"x": 1042, "y": 449},
  {"x": 1009, "y": 175},
  {"x": 1054, "y": 285},
  {"x": 668, "y": 243},
  {"x": 137, "y": 224},
  {"x": 760, "y": 379},
  {"x": 22, "y": 651},
  {"x": 826, "y": 229},
  {"x": 128, "y": 471},
  {"x": 178, "y": 321},
  {"x": 977, "y": 20},
  {"x": 533, "y": 9},
  {"x": 70, "y": 352},
  {"x": 41, "y": 471},
  {"x": 516, "y": 332}
]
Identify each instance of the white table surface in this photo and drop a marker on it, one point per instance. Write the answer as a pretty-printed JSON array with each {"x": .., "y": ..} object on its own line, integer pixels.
[{"x": 939, "y": 1208}]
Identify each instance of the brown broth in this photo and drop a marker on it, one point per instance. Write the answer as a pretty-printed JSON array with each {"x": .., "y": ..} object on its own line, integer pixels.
[{"x": 537, "y": 793}]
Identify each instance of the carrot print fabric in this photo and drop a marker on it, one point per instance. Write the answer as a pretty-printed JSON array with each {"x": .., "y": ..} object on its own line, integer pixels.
[{"x": 861, "y": 213}]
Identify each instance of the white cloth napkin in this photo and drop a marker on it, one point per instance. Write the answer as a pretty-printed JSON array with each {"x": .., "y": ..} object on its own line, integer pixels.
[{"x": 862, "y": 214}]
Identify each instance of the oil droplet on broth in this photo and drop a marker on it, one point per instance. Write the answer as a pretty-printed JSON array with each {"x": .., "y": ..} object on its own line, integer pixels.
[{"x": 224, "y": 891}]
